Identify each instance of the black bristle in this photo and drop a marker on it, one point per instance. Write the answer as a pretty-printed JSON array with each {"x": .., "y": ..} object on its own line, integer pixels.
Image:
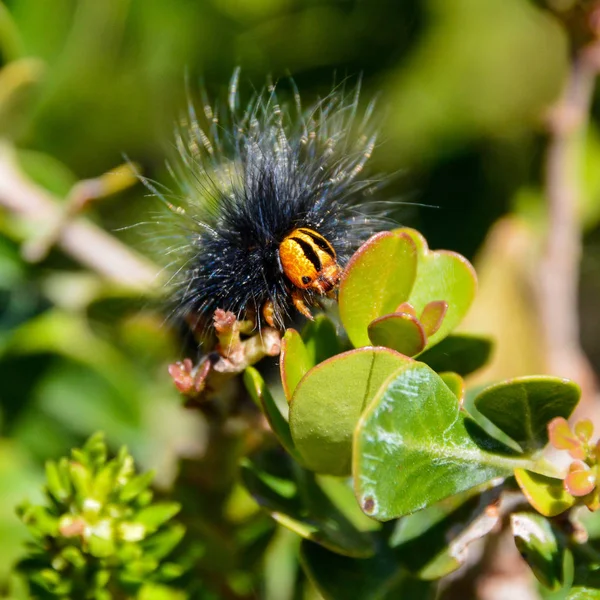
[{"x": 248, "y": 178}]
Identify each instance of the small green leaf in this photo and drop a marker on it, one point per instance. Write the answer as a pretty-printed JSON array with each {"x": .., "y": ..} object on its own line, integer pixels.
[
  {"x": 399, "y": 331},
  {"x": 523, "y": 407},
  {"x": 58, "y": 485},
  {"x": 433, "y": 315},
  {"x": 136, "y": 486},
  {"x": 546, "y": 494},
  {"x": 441, "y": 276},
  {"x": 294, "y": 361},
  {"x": 258, "y": 389},
  {"x": 294, "y": 499},
  {"x": 328, "y": 403},
  {"x": 152, "y": 517},
  {"x": 321, "y": 339},
  {"x": 455, "y": 383},
  {"x": 413, "y": 446},
  {"x": 378, "y": 278},
  {"x": 460, "y": 353},
  {"x": 159, "y": 546},
  {"x": 538, "y": 545},
  {"x": 101, "y": 547}
]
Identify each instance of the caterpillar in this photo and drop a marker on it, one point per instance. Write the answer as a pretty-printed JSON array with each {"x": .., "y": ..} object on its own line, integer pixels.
[{"x": 273, "y": 200}]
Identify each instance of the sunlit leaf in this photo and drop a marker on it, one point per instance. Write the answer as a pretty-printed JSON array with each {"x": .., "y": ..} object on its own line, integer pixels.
[
  {"x": 328, "y": 403},
  {"x": 414, "y": 446},
  {"x": 377, "y": 280}
]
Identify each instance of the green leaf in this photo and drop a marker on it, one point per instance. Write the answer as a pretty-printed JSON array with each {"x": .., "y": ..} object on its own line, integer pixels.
[
  {"x": 399, "y": 331},
  {"x": 455, "y": 383},
  {"x": 538, "y": 545},
  {"x": 378, "y": 578},
  {"x": 460, "y": 353},
  {"x": 258, "y": 389},
  {"x": 413, "y": 446},
  {"x": 441, "y": 276},
  {"x": 546, "y": 494},
  {"x": 321, "y": 339},
  {"x": 523, "y": 407},
  {"x": 378, "y": 278},
  {"x": 135, "y": 486},
  {"x": 329, "y": 401},
  {"x": 101, "y": 547},
  {"x": 152, "y": 517},
  {"x": 58, "y": 484},
  {"x": 294, "y": 499},
  {"x": 294, "y": 361}
]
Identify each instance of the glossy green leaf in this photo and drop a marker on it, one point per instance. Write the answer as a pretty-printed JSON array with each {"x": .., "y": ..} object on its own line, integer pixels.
[
  {"x": 399, "y": 331},
  {"x": 377, "y": 280},
  {"x": 329, "y": 401},
  {"x": 258, "y": 389},
  {"x": 442, "y": 276},
  {"x": 523, "y": 407},
  {"x": 546, "y": 494},
  {"x": 460, "y": 353},
  {"x": 294, "y": 499},
  {"x": 537, "y": 543},
  {"x": 378, "y": 578},
  {"x": 321, "y": 339},
  {"x": 413, "y": 446},
  {"x": 294, "y": 361}
]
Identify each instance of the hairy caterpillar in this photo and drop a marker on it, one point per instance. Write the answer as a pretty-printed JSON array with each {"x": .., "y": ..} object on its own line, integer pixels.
[{"x": 273, "y": 201}]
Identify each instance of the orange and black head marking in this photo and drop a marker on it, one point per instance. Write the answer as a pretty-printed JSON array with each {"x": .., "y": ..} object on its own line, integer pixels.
[{"x": 309, "y": 261}]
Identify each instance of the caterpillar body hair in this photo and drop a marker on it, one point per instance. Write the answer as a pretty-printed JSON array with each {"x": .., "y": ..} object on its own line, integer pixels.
[{"x": 273, "y": 200}]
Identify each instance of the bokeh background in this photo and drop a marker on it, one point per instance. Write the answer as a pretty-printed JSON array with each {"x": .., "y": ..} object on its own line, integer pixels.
[{"x": 463, "y": 90}]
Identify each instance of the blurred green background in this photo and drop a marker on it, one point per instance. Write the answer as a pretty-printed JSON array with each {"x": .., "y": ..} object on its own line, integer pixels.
[{"x": 462, "y": 89}]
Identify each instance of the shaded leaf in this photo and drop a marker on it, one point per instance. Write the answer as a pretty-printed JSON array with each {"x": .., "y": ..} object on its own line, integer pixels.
[
  {"x": 434, "y": 542},
  {"x": 258, "y": 389},
  {"x": 538, "y": 545},
  {"x": 523, "y": 407},
  {"x": 321, "y": 339},
  {"x": 379, "y": 578},
  {"x": 294, "y": 499},
  {"x": 460, "y": 353}
]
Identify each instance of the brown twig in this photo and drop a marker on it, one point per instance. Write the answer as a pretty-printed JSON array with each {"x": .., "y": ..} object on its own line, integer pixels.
[
  {"x": 80, "y": 239},
  {"x": 559, "y": 266}
]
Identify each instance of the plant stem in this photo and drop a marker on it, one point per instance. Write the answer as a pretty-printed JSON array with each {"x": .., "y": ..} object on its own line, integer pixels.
[
  {"x": 80, "y": 239},
  {"x": 559, "y": 266}
]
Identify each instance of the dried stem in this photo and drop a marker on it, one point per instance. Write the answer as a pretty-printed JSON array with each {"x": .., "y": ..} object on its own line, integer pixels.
[
  {"x": 559, "y": 267},
  {"x": 80, "y": 239}
]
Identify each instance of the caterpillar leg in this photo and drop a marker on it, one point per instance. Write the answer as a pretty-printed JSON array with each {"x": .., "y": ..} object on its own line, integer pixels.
[
  {"x": 300, "y": 305},
  {"x": 267, "y": 312}
]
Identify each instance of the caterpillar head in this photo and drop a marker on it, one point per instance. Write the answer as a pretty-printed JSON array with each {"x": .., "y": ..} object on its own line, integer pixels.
[{"x": 309, "y": 261}]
